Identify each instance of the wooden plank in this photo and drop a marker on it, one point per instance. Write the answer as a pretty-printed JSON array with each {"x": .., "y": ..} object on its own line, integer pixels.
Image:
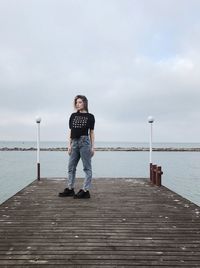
[{"x": 126, "y": 223}]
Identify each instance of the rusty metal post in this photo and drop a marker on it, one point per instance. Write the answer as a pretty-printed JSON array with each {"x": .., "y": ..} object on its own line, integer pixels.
[
  {"x": 151, "y": 171},
  {"x": 154, "y": 174},
  {"x": 38, "y": 171},
  {"x": 158, "y": 176}
]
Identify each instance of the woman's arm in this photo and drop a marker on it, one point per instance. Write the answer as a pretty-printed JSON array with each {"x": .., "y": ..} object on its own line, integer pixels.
[{"x": 92, "y": 140}]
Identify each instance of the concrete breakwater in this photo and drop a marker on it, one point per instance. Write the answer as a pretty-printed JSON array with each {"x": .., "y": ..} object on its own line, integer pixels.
[{"x": 125, "y": 149}]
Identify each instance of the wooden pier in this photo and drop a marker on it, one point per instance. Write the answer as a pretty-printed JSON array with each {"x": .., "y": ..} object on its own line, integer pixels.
[{"x": 126, "y": 223}]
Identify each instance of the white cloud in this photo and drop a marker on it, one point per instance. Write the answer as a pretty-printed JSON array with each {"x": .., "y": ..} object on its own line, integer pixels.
[{"x": 130, "y": 58}]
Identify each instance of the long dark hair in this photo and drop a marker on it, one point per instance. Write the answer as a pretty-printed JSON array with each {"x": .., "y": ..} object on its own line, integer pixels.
[{"x": 84, "y": 99}]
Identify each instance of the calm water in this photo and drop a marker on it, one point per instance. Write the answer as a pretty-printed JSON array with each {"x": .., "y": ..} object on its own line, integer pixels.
[{"x": 181, "y": 169}]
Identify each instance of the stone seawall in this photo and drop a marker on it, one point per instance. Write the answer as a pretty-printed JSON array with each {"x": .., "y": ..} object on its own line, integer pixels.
[{"x": 125, "y": 149}]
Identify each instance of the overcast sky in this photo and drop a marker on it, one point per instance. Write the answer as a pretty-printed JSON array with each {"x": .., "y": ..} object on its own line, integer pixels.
[{"x": 131, "y": 58}]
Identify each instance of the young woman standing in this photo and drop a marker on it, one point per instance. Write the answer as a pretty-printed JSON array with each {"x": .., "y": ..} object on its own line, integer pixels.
[{"x": 81, "y": 145}]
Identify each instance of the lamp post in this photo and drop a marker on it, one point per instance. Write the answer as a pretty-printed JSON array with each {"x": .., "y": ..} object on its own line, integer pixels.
[
  {"x": 38, "y": 120},
  {"x": 150, "y": 120}
]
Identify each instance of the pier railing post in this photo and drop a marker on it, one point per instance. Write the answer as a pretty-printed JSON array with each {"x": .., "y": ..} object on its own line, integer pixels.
[
  {"x": 38, "y": 171},
  {"x": 151, "y": 171},
  {"x": 154, "y": 174},
  {"x": 158, "y": 176}
]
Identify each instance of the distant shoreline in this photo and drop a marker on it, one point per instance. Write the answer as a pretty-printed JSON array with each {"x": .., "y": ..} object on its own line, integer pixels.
[{"x": 123, "y": 149}]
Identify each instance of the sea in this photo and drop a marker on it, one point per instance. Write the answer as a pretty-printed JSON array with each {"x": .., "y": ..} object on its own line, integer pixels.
[{"x": 181, "y": 170}]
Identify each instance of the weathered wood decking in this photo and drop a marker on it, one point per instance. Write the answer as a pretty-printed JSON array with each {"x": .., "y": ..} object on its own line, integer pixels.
[{"x": 126, "y": 223}]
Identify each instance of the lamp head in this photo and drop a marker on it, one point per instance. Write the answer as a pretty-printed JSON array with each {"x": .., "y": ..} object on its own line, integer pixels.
[
  {"x": 150, "y": 119},
  {"x": 38, "y": 119}
]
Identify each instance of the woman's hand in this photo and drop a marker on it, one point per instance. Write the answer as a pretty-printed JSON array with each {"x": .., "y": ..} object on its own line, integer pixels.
[
  {"x": 92, "y": 141},
  {"x": 69, "y": 149},
  {"x": 92, "y": 151}
]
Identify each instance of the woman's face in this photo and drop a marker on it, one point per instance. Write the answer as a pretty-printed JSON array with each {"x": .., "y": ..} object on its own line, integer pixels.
[{"x": 79, "y": 105}]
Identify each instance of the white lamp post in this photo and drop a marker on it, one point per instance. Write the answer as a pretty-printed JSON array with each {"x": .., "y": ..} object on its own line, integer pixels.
[
  {"x": 150, "y": 120},
  {"x": 38, "y": 120}
]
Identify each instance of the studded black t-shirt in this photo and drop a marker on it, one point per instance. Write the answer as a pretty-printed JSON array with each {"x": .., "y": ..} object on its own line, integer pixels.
[{"x": 80, "y": 123}]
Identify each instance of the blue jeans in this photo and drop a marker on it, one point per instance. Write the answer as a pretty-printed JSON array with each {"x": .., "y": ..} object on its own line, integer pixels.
[{"x": 81, "y": 148}]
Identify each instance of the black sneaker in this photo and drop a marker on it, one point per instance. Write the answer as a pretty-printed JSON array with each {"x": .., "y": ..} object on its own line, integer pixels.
[
  {"x": 82, "y": 194},
  {"x": 67, "y": 192}
]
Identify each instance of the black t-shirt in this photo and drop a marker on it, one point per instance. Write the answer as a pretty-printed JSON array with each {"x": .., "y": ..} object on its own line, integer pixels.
[{"x": 79, "y": 123}]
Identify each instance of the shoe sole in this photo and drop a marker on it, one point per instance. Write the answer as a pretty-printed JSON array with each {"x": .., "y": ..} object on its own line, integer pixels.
[
  {"x": 76, "y": 197},
  {"x": 65, "y": 195}
]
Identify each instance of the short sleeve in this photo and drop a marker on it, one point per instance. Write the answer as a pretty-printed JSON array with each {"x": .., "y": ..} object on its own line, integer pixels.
[
  {"x": 92, "y": 121},
  {"x": 70, "y": 122}
]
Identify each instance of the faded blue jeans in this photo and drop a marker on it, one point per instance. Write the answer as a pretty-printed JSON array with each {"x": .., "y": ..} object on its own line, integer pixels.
[{"x": 81, "y": 148}]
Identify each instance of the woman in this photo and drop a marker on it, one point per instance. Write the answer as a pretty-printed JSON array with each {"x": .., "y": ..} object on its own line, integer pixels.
[{"x": 81, "y": 145}]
